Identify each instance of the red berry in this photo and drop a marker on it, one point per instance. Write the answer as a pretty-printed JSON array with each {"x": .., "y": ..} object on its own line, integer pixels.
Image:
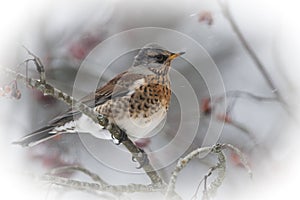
[
  {"x": 205, "y": 106},
  {"x": 225, "y": 118},
  {"x": 18, "y": 95},
  {"x": 7, "y": 89}
]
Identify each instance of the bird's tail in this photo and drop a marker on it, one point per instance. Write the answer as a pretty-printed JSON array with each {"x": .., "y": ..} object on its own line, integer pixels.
[{"x": 37, "y": 137}]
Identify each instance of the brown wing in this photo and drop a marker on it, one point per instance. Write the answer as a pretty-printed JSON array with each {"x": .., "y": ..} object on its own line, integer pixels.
[
  {"x": 118, "y": 86},
  {"x": 102, "y": 93}
]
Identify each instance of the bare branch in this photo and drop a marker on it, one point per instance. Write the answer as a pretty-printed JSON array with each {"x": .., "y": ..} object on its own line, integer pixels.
[
  {"x": 181, "y": 164},
  {"x": 211, "y": 190},
  {"x": 236, "y": 94},
  {"x": 224, "y": 6},
  {"x": 245, "y": 94},
  {"x": 96, "y": 187},
  {"x": 93, "y": 176},
  {"x": 220, "y": 166}
]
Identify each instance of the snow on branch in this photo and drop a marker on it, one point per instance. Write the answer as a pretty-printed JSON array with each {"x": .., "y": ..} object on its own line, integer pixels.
[{"x": 212, "y": 188}]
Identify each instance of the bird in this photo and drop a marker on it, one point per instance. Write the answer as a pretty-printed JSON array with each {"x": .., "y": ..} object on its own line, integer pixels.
[{"x": 136, "y": 100}]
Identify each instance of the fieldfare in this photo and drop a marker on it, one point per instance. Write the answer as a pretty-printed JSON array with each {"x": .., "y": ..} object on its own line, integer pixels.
[{"x": 136, "y": 100}]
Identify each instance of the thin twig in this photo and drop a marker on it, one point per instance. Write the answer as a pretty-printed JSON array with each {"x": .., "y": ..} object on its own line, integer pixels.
[
  {"x": 235, "y": 94},
  {"x": 38, "y": 64},
  {"x": 48, "y": 89},
  {"x": 204, "y": 179},
  {"x": 245, "y": 94},
  {"x": 195, "y": 196},
  {"x": 224, "y": 6},
  {"x": 245, "y": 130}
]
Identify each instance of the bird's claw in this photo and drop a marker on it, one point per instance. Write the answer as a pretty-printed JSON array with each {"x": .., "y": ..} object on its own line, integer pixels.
[
  {"x": 143, "y": 156},
  {"x": 122, "y": 138}
]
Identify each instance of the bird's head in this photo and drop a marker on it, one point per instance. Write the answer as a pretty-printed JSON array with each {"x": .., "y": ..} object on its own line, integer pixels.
[{"x": 155, "y": 56}]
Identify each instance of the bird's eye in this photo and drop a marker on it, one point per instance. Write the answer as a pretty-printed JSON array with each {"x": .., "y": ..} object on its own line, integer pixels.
[{"x": 160, "y": 58}]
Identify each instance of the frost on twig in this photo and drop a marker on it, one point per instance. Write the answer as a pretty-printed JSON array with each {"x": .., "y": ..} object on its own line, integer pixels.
[
  {"x": 211, "y": 189},
  {"x": 92, "y": 175},
  {"x": 181, "y": 164},
  {"x": 97, "y": 187},
  {"x": 47, "y": 89},
  {"x": 100, "y": 186}
]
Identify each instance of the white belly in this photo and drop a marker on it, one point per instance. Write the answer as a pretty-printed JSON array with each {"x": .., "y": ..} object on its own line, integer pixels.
[
  {"x": 135, "y": 128},
  {"x": 141, "y": 127}
]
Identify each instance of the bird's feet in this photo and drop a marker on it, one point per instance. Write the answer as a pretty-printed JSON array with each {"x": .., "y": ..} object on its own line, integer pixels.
[
  {"x": 122, "y": 136},
  {"x": 141, "y": 157}
]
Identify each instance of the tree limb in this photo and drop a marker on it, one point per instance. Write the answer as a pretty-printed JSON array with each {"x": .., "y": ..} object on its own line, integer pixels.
[
  {"x": 221, "y": 167},
  {"x": 93, "y": 176},
  {"x": 96, "y": 187}
]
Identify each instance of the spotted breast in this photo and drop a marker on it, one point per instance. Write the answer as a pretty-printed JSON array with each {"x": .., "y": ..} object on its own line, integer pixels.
[{"x": 141, "y": 111}]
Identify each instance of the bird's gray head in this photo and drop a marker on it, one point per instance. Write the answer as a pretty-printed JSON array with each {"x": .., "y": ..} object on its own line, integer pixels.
[{"x": 154, "y": 55}]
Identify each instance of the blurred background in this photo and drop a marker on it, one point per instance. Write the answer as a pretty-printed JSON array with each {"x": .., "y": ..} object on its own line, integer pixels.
[{"x": 65, "y": 34}]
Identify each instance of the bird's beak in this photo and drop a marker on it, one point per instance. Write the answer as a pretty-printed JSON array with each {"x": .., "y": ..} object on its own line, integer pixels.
[{"x": 175, "y": 55}]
